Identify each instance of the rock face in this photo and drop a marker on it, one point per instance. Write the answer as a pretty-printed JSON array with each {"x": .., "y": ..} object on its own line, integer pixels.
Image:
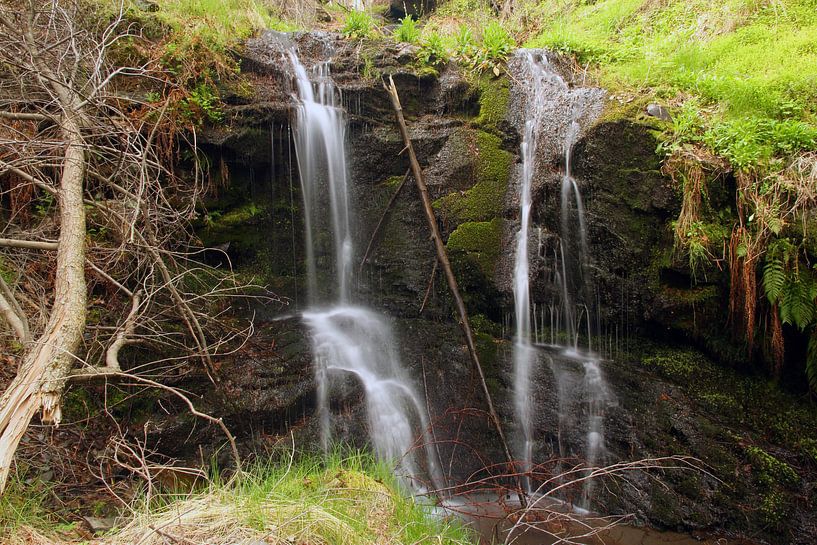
[
  {"x": 467, "y": 139},
  {"x": 400, "y": 8}
]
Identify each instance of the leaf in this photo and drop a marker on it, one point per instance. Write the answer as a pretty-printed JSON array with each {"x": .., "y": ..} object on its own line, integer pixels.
[
  {"x": 496, "y": 70},
  {"x": 774, "y": 277},
  {"x": 743, "y": 250},
  {"x": 797, "y": 304}
]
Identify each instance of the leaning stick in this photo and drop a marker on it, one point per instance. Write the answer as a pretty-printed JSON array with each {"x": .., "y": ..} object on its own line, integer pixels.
[{"x": 442, "y": 256}]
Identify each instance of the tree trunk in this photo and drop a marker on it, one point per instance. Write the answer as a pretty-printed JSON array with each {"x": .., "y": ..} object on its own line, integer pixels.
[{"x": 41, "y": 379}]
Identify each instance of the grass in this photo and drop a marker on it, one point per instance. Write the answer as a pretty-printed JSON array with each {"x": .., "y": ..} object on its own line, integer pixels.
[
  {"x": 22, "y": 506},
  {"x": 753, "y": 63},
  {"x": 217, "y": 22},
  {"x": 343, "y": 499}
]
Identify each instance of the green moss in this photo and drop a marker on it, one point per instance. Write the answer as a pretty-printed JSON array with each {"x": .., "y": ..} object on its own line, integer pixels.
[
  {"x": 769, "y": 470},
  {"x": 774, "y": 508},
  {"x": 484, "y": 201},
  {"x": 494, "y": 94},
  {"x": 677, "y": 365},
  {"x": 631, "y": 111},
  {"x": 233, "y": 218},
  {"x": 481, "y": 240}
]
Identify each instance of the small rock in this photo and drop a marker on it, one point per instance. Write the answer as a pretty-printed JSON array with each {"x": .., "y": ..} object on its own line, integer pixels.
[
  {"x": 100, "y": 525},
  {"x": 656, "y": 110}
]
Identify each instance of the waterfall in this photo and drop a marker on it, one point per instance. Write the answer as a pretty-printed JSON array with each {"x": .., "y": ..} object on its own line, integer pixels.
[
  {"x": 349, "y": 339},
  {"x": 553, "y": 110}
]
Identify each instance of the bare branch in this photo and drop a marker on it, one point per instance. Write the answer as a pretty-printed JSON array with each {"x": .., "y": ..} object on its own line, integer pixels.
[
  {"x": 21, "y": 116},
  {"x": 10, "y": 310},
  {"x": 29, "y": 244},
  {"x": 123, "y": 336}
]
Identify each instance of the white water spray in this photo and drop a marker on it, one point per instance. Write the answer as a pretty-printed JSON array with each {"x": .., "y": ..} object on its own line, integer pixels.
[
  {"x": 349, "y": 339},
  {"x": 548, "y": 96}
]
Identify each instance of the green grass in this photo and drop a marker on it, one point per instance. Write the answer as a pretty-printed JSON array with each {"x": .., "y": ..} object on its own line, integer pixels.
[
  {"x": 344, "y": 499},
  {"x": 218, "y": 22},
  {"x": 753, "y": 63},
  {"x": 23, "y": 505}
]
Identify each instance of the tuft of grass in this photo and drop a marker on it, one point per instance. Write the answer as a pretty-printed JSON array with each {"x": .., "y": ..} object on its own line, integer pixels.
[
  {"x": 344, "y": 499},
  {"x": 22, "y": 509}
]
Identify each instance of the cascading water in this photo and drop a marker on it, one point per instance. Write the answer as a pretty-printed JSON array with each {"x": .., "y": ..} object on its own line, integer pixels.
[
  {"x": 348, "y": 339},
  {"x": 547, "y": 99}
]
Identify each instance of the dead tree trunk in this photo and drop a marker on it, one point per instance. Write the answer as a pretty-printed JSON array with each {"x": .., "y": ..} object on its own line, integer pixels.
[
  {"x": 442, "y": 256},
  {"x": 48, "y": 362}
]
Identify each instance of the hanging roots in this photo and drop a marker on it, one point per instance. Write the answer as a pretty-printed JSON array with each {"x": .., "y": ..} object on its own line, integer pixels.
[{"x": 778, "y": 344}]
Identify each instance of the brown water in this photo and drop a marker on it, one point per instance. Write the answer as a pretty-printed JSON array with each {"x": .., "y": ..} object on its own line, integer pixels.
[{"x": 548, "y": 522}]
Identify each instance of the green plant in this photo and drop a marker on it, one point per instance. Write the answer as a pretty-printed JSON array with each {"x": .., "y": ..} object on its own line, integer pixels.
[
  {"x": 202, "y": 105},
  {"x": 497, "y": 42},
  {"x": 789, "y": 285},
  {"x": 464, "y": 44},
  {"x": 407, "y": 31},
  {"x": 358, "y": 25},
  {"x": 433, "y": 51}
]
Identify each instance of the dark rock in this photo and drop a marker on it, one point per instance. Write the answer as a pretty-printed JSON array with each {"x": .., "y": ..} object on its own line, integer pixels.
[
  {"x": 656, "y": 110},
  {"x": 400, "y": 8}
]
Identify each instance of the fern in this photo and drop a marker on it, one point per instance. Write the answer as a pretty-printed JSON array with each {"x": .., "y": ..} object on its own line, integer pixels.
[
  {"x": 797, "y": 303},
  {"x": 774, "y": 277}
]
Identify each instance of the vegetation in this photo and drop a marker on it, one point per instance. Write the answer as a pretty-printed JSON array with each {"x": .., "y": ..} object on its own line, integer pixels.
[
  {"x": 407, "y": 31},
  {"x": 358, "y": 25},
  {"x": 341, "y": 498}
]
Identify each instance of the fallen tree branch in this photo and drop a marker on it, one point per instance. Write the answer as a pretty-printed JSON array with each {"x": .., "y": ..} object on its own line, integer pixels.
[
  {"x": 11, "y": 310},
  {"x": 28, "y": 244},
  {"x": 442, "y": 257},
  {"x": 21, "y": 116}
]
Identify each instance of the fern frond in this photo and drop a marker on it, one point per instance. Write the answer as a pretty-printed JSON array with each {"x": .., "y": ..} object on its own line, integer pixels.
[
  {"x": 774, "y": 277},
  {"x": 797, "y": 303}
]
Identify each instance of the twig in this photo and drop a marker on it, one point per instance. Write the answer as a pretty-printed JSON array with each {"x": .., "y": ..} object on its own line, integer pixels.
[
  {"x": 430, "y": 285},
  {"x": 380, "y": 223},
  {"x": 106, "y": 372}
]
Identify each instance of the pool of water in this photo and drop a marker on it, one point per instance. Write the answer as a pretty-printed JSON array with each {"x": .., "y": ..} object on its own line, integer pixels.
[{"x": 499, "y": 519}]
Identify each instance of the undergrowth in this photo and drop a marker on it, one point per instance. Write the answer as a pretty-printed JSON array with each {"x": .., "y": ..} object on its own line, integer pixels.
[{"x": 345, "y": 498}]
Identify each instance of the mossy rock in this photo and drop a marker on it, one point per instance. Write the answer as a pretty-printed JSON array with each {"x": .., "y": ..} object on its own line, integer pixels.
[
  {"x": 494, "y": 94},
  {"x": 484, "y": 201},
  {"x": 481, "y": 240}
]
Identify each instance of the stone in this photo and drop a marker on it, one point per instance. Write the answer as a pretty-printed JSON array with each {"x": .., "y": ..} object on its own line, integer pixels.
[{"x": 658, "y": 111}]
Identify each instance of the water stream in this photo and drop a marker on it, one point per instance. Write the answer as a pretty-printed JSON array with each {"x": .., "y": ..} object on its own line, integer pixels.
[
  {"x": 349, "y": 339},
  {"x": 553, "y": 112}
]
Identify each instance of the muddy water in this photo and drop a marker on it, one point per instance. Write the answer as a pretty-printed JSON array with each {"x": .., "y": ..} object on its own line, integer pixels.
[{"x": 548, "y": 522}]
